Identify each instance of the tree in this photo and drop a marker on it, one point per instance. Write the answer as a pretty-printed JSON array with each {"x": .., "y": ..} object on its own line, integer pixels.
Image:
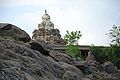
[
  {"x": 71, "y": 38},
  {"x": 114, "y": 34}
]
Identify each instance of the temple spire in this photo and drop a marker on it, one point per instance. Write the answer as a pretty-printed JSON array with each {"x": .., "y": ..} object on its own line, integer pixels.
[{"x": 45, "y": 11}]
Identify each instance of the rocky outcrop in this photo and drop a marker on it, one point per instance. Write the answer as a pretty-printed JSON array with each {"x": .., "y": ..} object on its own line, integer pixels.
[
  {"x": 18, "y": 62},
  {"x": 40, "y": 47},
  {"x": 36, "y": 61},
  {"x": 14, "y": 32},
  {"x": 109, "y": 67},
  {"x": 60, "y": 57}
]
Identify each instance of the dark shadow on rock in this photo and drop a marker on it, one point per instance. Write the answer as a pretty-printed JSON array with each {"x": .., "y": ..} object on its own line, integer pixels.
[
  {"x": 39, "y": 47},
  {"x": 14, "y": 32},
  {"x": 7, "y": 27}
]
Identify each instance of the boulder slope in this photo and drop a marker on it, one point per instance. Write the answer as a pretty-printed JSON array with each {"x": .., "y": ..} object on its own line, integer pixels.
[
  {"x": 35, "y": 61},
  {"x": 14, "y": 32},
  {"x": 18, "y": 62}
]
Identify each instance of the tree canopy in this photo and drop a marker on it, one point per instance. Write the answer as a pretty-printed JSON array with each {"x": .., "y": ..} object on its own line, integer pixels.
[
  {"x": 72, "y": 37},
  {"x": 114, "y": 34}
]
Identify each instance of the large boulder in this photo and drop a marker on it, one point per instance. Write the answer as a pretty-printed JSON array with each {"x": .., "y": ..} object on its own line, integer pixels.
[
  {"x": 42, "y": 48},
  {"x": 109, "y": 67},
  {"x": 14, "y": 32},
  {"x": 19, "y": 62},
  {"x": 60, "y": 57},
  {"x": 71, "y": 72},
  {"x": 83, "y": 66}
]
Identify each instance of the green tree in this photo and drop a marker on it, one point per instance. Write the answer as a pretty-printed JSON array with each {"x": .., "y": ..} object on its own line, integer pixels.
[
  {"x": 114, "y": 34},
  {"x": 71, "y": 38}
]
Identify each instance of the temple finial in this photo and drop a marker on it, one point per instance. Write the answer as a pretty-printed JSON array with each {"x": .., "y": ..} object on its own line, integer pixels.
[{"x": 45, "y": 11}]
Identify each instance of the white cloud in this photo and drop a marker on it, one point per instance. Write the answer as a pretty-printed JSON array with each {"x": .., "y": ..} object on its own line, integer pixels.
[{"x": 26, "y": 2}]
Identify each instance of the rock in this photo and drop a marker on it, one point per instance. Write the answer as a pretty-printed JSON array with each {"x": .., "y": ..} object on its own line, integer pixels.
[
  {"x": 68, "y": 75},
  {"x": 90, "y": 58},
  {"x": 109, "y": 67},
  {"x": 4, "y": 26},
  {"x": 71, "y": 72},
  {"x": 97, "y": 77},
  {"x": 104, "y": 76},
  {"x": 19, "y": 62},
  {"x": 95, "y": 67},
  {"x": 61, "y": 57},
  {"x": 83, "y": 66},
  {"x": 86, "y": 79},
  {"x": 39, "y": 47},
  {"x": 14, "y": 32}
]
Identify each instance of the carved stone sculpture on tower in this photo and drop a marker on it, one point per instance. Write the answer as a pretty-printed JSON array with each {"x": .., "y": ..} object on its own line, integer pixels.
[
  {"x": 46, "y": 23},
  {"x": 46, "y": 32}
]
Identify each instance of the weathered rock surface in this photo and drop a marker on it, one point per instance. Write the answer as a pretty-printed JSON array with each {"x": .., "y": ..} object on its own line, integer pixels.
[
  {"x": 14, "y": 32},
  {"x": 60, "y": 57},
  {"x": 109, "y": 67},
  {"x": 36, "y": 61},
  {"x": 18, "y": 62}
]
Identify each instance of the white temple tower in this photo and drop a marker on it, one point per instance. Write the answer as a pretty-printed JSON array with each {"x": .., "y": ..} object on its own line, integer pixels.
[{"x": 46, "y": 23}]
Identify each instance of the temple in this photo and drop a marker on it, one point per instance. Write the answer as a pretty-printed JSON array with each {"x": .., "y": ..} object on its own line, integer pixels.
[
  {"x": 46, "y": 23},
  {"x": 46, "y": 33}
]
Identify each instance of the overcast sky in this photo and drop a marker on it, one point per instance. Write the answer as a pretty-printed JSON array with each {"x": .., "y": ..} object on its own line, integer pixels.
[{"x": 93, "y": 18}]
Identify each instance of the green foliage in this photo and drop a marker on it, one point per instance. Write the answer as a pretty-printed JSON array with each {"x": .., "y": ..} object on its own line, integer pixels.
[
  {"x": 71, "y": 37},
  {"x": 103, "y": 54},
  {"x": 114, "y": 34},
  {"x": 100, "y": 53},
  {"x": 72, "y": 49}
]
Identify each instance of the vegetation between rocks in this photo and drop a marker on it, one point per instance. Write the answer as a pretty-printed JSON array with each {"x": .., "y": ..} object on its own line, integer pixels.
[
  {"x": 103, "y": 54},
  {"x": 71, "y": 38}
]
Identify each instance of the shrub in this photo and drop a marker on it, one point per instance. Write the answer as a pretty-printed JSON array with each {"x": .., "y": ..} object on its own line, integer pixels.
[
  {"x": 103, "y": 54},
  {"x": 74, "y": 51},
  {"x": 71, "y": 38}
]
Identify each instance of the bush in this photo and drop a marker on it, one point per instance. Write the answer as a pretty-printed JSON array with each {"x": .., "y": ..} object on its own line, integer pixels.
[
  {"x": 103, "y": 54},
  {"x": 74, "y": 51}
]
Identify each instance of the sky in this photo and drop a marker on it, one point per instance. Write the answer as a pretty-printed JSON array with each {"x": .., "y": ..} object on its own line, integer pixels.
[{"x": 93, "y": 18}]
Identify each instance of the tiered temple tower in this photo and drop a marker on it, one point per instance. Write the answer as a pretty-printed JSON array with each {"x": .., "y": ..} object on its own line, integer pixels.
[
  {"x": 46, "y": 23},
  {"x": 46, "y": 33}
]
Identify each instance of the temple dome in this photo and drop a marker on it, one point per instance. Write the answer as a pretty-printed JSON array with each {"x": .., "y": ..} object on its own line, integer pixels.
[{"x": 45, "y": 16}]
